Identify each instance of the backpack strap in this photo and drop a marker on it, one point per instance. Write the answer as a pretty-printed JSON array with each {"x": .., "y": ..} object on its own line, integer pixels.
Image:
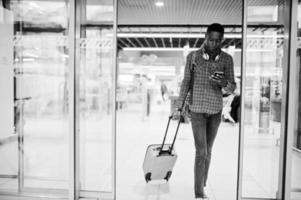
[
  {"x": 192, "y": 68},
  {"x": 192, "y": 62}
]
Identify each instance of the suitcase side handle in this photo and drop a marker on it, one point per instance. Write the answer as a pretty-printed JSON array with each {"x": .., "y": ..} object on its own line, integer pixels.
[{"x": 166, "y": 130}]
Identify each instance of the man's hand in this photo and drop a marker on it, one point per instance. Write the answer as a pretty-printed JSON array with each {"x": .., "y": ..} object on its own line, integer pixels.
[
  {"x": 219, "y": 78},
  {"x": 176, "y": 115}
]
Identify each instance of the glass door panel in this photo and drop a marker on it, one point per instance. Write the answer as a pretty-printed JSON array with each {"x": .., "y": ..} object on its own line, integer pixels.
[
  {"x": 36, "y": 142},
  {"x": 38, "y": 161},
  {"x": 8, "y": 138},
  {"x": 97, "y": 96},
  {"x": 263, "y": 98}
]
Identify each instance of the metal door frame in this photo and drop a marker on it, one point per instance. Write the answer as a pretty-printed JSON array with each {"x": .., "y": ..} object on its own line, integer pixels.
[
  {"x": 242, "y": 103},
  {"x": 293, "y": 100}
]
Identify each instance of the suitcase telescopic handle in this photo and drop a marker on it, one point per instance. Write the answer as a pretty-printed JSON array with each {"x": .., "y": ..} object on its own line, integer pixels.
[
  {"x": 167, "y": 127},
  {"x": 191, "y": 82}
]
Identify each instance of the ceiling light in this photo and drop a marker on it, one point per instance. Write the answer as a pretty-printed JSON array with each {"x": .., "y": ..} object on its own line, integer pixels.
[
  {"x": 154, "y": 49},
  {"x": 190, "y": 49},
  {"x": 192, "y": 35},
  {"x": 159, "y": 3}
]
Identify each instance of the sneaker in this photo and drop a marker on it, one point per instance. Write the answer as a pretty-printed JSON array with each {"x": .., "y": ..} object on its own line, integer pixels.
[{"x": 204, "y": 197}]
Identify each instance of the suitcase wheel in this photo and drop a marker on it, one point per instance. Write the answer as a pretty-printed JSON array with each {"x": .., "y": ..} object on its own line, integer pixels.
[
  {"x": 168, "y": 174},
  {"x": 148, "y": 176}
]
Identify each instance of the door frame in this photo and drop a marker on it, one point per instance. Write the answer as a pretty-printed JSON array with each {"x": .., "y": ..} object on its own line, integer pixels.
[
  {"x": 292, "y": 105},
  {"x": 242, "y": 103}
]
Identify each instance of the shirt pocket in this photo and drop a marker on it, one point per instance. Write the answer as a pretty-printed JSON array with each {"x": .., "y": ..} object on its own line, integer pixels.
[{"x": 220, "y": 67}]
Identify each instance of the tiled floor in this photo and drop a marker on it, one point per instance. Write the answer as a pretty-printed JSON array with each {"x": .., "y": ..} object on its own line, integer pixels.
[{"x": 47, "y": 156}]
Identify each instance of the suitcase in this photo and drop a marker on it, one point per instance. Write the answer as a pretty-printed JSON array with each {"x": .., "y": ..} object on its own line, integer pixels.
[{"x": 160, "y": 159}]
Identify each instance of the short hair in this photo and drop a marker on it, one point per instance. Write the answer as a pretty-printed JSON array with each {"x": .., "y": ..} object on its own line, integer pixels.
[{"x": 216, "y": 27}]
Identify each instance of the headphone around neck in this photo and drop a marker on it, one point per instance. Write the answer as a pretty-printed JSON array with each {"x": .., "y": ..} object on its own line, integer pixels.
[{"x": 207, "y": 57}]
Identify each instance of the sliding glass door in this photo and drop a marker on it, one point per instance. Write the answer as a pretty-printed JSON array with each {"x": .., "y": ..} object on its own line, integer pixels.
[
  {"x": 293, "y": 150},
  {"x": 264, "y": 98},
  {"x": 57, "y": 81},
  {"x": 96, "y": 93},
  {"x": 35, "y": 136}
]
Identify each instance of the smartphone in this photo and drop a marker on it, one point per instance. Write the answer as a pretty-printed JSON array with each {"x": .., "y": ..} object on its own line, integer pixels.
[{"x": 218, "y": 73}]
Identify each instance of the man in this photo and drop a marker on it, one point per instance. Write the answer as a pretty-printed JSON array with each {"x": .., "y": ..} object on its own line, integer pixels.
[{"x": 212, "y": 71}]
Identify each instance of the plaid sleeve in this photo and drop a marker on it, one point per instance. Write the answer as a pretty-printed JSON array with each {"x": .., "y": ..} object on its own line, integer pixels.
[
  {"x": 186, "y": 81},
  {"x": 229, "y": 76}
]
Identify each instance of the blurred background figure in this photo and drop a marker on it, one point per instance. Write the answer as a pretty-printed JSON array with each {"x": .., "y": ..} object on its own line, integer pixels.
[{"x": 164, "y": 90}]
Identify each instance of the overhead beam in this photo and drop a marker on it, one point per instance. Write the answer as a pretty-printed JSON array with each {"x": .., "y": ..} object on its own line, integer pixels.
[
  {"x": 156, "y": 45},
  {"x": 120, "y": 40},
  {"x": 130, "y": 42},
  {"x": 137, "y": 40},
  {"x": 228, "y": 43},
  {"x": 163, "y": 43},
  {"x": 196, "y": 41},
  {"x": 148, "y": 44}
]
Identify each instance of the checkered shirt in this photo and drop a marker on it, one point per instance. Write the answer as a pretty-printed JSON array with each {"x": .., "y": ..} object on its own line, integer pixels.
[{"x": 207, "y": 95}]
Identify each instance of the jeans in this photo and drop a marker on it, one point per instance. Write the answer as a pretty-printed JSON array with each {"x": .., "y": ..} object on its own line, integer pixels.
[{"x": 204, "y": 128}]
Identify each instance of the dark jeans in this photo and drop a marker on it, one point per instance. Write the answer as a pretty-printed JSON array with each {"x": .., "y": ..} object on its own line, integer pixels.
[{"x": 204, "y": 128}]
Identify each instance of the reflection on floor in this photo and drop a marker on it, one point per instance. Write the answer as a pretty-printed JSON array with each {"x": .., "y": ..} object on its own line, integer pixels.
[{"x": 47, "y": 154}]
